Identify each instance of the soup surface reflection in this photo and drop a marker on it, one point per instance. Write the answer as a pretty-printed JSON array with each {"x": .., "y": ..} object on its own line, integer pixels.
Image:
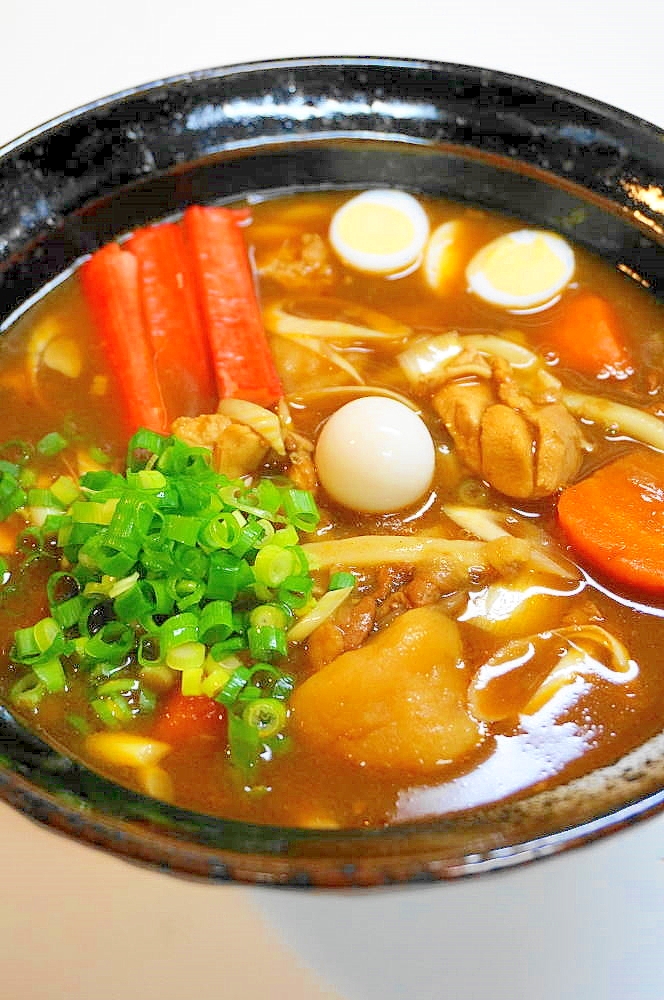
[{"x": 411, "y": 563}]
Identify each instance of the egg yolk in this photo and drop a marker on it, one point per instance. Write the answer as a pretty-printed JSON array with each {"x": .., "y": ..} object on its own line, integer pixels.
[
  {"x": 370, "y": 227},
  {"x": 375, "y": 455}
]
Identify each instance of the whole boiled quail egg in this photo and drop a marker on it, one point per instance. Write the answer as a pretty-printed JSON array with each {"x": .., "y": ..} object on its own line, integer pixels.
[
  {"x": 521, "y": 269},
  {"x": 380, "y": 232},
  {"x": 375, "y": 455}
]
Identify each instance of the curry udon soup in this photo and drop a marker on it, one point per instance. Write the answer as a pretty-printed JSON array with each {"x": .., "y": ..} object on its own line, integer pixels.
[{"x": 387, "y": 545}]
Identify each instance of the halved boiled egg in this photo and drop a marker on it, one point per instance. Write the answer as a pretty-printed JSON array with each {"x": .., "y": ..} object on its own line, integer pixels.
[
  {"x": 375, "y": 455},
  {"x": 522, "y": 269},
  {"x": 380, "y": 232},
  {"x": 445, "y": 255}
]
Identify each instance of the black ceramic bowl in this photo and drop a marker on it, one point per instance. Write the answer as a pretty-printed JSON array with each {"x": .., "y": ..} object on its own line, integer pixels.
[{"x": 499, "y": 141}]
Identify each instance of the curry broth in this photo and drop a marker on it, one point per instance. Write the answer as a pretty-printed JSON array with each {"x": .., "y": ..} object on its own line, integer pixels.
[{"x": 592, "y": 723}]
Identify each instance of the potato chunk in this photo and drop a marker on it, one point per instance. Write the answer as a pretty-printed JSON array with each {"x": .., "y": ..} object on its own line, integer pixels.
[{"x": 398, "y": 703}]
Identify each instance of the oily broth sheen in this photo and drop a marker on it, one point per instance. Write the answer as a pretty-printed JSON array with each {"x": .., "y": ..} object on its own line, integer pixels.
[{"x": 304, "y": 787}]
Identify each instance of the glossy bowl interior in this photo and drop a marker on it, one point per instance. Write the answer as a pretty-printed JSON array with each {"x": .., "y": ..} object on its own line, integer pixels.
[{"x": 516, "y": 146}]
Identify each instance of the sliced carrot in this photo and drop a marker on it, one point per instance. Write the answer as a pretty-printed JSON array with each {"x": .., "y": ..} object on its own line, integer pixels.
[
  {"x": 615, "y": 520},
  {"x": 241, "y": 355},
  {"x": 182, "y": 359},
  {"x": 111, "y": 285},
  {"x": 587, "y": 335},
  {"x": 191, "y": 717}
]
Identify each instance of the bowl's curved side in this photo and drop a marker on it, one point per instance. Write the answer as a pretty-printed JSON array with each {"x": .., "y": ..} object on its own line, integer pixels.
[
  {"x": 551, "y": 157},
  {"x": 134, "y": 827}
]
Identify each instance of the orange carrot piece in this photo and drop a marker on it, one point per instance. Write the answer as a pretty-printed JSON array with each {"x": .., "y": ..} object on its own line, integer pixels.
[
  {"x": 191, "y": 717},
  {"x": 111, "y": 285},
  {"x": 587, "y": 336},
  {"x": 241, "y": 356},
  {"x": 615, "y": 520},
  {"x": 181, "y": 354}
]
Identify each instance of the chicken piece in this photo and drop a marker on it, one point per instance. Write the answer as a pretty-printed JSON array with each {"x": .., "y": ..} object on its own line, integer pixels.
[
  {"x": 524, "y": 449},
  {"x": 398, "y": 703},
  {"x": 300, "y": 452},
  {"x": 506, "y": 447},
  {"x": 346, "y": 630},
  {"x": 302, "y": 469},
  {"x": 559, "y": 449},
  {"x": 303, "y": 262},
  {"x": 353, "y": 622},
  {"x": 423, "y": 589},
  {"x": 237, "y": 450},
  {"x": 461, "y": 406}
]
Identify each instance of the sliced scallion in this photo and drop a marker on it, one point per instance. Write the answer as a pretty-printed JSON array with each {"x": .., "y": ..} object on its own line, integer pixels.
[{"x": 51, "y": 444}]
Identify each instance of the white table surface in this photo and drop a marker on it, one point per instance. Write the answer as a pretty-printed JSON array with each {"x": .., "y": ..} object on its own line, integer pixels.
[{"x": 78, "y": 924}]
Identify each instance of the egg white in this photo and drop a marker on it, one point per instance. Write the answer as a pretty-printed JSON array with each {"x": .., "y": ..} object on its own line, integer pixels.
[
  {"x": 375, "y": 455},
  {"x": 518, "y": 249}
]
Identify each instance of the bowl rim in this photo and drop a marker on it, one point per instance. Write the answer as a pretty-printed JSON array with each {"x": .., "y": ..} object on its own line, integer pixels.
[
  {"x": 504, "y": 77},
  {"x": 268, "y": 853}
]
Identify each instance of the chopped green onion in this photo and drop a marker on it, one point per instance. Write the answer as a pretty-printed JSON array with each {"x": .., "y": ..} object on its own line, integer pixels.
[
  {"x": 216, "y": 622},
  {"x": 249, "y": 537},
  {"x": 69, "y": 612},
  {"x": 134, "y": 604},
  {"x": 295, "y": 592},
  {"x": 339, "y": 581},
  {"x": 119, "y": 685},
  {"x": 17, "y": 453},
  {"x": 51, "y": 675},
  {"x": 266, "y": 715},
  {"x": 65, "y": 490},
  {"x": 273, "y": 565},
  {"x": 275, "y": 615},
  {"x": 42, "y": 498},
  {"x": 215, "y": 681},
  {"x": 168, "y": 569},
  {"x": 78, "y": 723},
  {"x": 147, "y": 479},
  {"x": 51, "y": 444},
  {"x": 234, "y": 644},
  {"x": 244, "y": 741},
  {"x": 220, "y": 532},
  {"x": 181, "y": 528},
  {"x": 227, "y": 576},
  {"x": 13, "y": 469},
  {"x": 27, "y": 692},
  {"x": 178, "y": 630},
  {"x": 157, "y": 676},
  {"x": 92, "y": 512},
  {"x": 233, "y": 686},
  {"x": 111, "y": 643},
  {"x": 39, "y": 642},
  {"x": 99, "y": 456},
  {"x": 113, "y": 711},
  {"x": 192, "y": 681},
  {"x": 301, "y": 510},
  {"x": 26, "y": 476},
  {"x": 187, "y": 656},
  {"x": 267, "y": 642},
  {"x": 12, "y": 496},
  {"x": 285, "y": 537},
  {"x": 283, "y": 687}
]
